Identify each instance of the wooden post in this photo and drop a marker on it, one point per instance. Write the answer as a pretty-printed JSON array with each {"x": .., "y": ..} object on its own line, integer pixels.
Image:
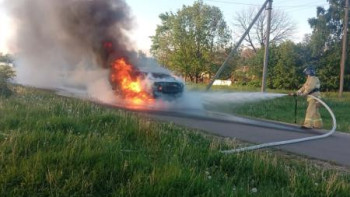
[
  {"x": 267, "y": 41},
  {"x": 344, "y": 48}
]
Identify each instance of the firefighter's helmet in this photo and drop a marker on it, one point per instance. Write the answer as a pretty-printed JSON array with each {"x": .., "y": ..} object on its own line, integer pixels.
[{"x": 309, "y": 70}]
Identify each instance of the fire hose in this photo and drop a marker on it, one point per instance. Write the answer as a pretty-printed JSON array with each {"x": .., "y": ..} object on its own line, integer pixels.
[{"x": 292, "y": 141}]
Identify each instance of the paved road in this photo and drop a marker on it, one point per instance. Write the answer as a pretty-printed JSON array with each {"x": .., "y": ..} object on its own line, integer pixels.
[{"x": 335, "y": 148}]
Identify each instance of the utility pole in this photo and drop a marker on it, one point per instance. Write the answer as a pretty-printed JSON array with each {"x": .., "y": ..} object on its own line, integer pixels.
[
  {"x": 344, "y": 48},
  {"x": 267, "y": 41},
  {"x": 234, "y": 50}
]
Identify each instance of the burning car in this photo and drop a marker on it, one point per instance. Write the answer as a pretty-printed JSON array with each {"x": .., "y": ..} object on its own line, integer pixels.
[
  {"x": 164, "y": 85},
  {"x": 143, "y": 85}
]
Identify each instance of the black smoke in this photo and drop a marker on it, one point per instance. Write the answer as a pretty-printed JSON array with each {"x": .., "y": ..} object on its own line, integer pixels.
[
  {"x": 98, "y": 25},
  {"x": 57, "y": 37}
]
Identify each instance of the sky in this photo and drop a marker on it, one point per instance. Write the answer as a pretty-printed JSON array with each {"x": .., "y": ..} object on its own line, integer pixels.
[
  {"x": 6, "y": 31},
  {"x": 146, "y": 17}
]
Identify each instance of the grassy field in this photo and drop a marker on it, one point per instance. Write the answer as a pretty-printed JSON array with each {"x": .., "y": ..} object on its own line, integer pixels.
[
  {"x": 55, "y": 146},
  {"x": 282, "y": 109}
]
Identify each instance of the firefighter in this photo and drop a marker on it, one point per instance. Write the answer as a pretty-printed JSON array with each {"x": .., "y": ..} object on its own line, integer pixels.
[{"x": 311, "y": 87}]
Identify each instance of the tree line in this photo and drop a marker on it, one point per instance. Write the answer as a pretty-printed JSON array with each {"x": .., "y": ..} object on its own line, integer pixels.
[{"x": 195, "y": 40}]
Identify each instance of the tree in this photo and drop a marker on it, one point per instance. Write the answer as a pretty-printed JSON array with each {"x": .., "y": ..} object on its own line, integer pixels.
[
  {"x": 187, "y": 40},
  {"x": 286, "y": 63},
  {"x": 287, "y": 72},
  {"x": 325, "y": 44},
  {"x": 327, "y": 27},
  {"x": 282, "y": 27}
]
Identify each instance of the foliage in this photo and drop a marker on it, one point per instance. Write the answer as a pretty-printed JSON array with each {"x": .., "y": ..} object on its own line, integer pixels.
[
  {"x": 325, "y": 45},
  {"x": 328, "y": 69},
  {"x": 255, "y": 64},
  {"x": 327, "y": 27},
  {"x": 284, "y": 67},
  {"x": 6, "y": 73},
  {"x": 287, "y": 72},
  {"x": 55, "y": 146},
  {"x": 192, "y": 41}
]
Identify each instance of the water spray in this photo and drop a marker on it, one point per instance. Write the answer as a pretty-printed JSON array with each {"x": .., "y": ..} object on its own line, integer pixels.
[{"x": 293, "y": 141}]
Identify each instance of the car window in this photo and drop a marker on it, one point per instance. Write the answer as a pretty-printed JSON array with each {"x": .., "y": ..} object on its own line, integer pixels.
[{"x": 160, "y": 75}]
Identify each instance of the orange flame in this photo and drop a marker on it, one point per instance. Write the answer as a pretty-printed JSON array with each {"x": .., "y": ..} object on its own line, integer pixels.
[{"x": 127, "y": 83}]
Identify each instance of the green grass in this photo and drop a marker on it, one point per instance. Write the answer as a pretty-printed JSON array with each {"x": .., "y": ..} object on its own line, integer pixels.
[{"x": 55, "y": 146}]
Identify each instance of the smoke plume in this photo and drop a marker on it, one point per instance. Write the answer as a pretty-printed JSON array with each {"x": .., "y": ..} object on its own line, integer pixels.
[{"x": 65, "y": 42}]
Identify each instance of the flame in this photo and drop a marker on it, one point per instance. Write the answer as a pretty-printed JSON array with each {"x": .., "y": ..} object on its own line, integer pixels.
[{"x": 128, "y": 84}]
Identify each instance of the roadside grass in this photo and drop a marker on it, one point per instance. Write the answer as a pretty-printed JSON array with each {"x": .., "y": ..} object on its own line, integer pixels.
[
  {"x": 283, "y": 109},
  {"x": 55, "y": 146}
]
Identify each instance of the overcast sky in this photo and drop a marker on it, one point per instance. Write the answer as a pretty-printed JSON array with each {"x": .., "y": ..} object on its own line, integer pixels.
[{"x": 146, "y": 15}]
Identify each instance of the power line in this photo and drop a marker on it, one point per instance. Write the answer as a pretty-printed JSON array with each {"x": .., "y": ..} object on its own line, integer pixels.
[
  {"x": 301, "y": 8},
  {"x": 231, "y": 2},
  {"x": 316, "y": 3},
  {"x": 308, "y": 4}
]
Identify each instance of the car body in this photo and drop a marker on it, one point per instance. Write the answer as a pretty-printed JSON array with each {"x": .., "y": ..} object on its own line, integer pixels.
[{"x": 164, "y": 85}]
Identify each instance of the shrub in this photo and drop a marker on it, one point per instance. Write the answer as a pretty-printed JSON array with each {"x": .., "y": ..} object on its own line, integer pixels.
[{"x": 6, "y": 73}]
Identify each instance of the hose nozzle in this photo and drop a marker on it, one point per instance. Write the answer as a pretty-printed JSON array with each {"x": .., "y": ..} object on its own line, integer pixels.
[{"x": 292, "y": 94}]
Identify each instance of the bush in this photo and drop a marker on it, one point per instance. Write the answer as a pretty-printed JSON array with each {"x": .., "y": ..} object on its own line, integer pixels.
[
  {"x": 254, "y": 83},
  {"x": 6, "y": 73}
]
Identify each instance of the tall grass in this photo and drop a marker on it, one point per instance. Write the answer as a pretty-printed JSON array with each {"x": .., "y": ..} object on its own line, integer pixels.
[{"x": 54, "y": 146}]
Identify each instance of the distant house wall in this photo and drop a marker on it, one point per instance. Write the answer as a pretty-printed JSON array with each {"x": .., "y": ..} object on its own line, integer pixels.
[{"x": 219, "y": 82}]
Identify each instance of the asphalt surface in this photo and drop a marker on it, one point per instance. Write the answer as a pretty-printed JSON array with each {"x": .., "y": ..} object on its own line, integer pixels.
[{"x": 335, "y": 148}]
